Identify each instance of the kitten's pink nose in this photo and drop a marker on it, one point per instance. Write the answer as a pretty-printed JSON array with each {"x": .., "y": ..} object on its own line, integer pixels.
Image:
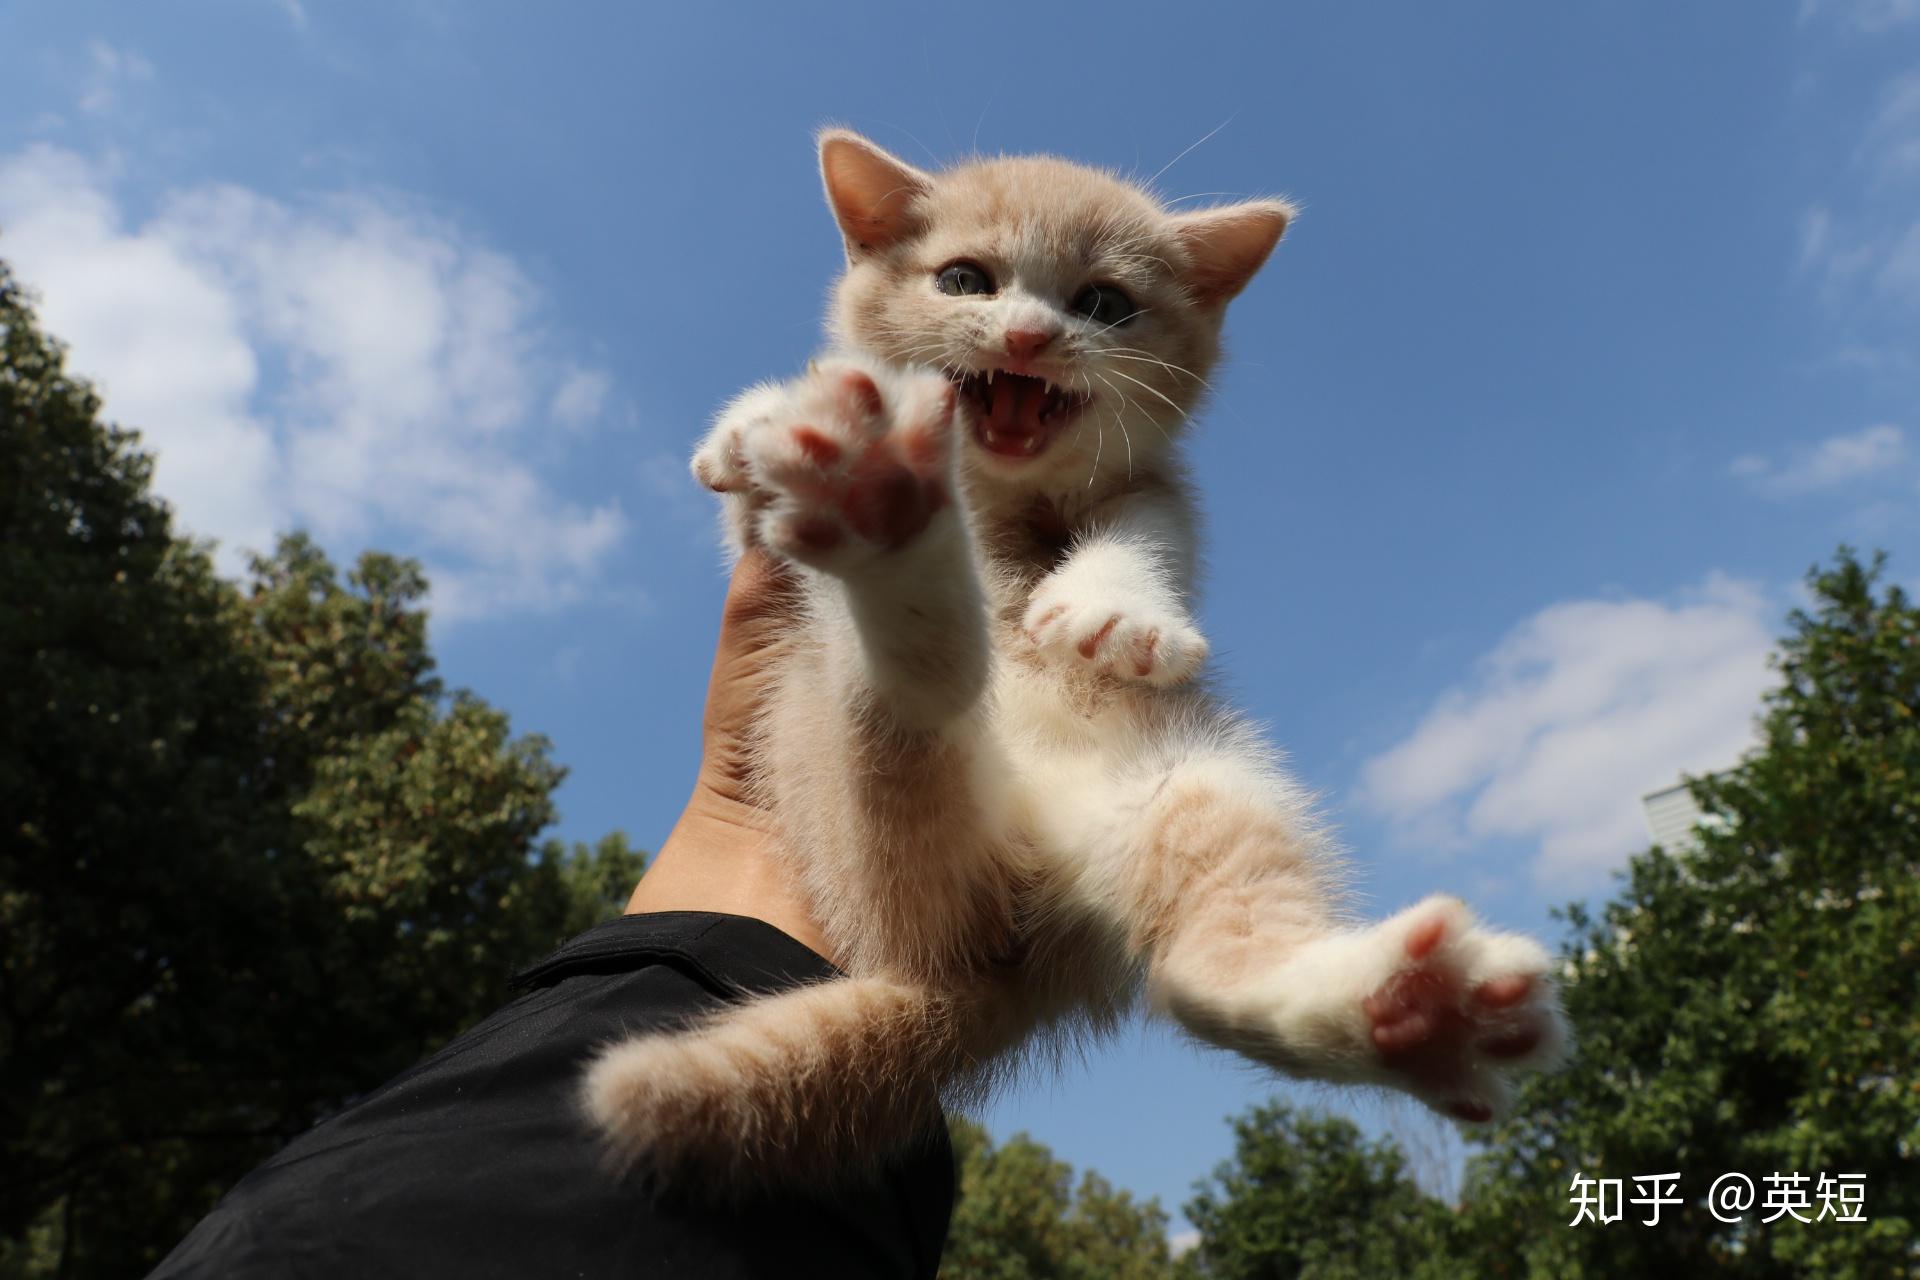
[{"x": 1025, "y": 344}]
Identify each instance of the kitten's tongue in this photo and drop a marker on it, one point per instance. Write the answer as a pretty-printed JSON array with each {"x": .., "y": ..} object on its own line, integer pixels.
[
  {"x": 1016, "y": 407},
  {"x": 1017, "y": 416}
]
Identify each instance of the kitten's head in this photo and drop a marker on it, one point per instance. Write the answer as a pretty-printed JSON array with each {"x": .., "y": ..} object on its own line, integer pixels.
[{"x": 1079, "y": 317}]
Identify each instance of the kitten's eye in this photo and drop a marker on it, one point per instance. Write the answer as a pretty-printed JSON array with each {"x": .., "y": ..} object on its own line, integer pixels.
[
  {"x": 1104, "y": 304},
  {"x": 963, "y": 279}
]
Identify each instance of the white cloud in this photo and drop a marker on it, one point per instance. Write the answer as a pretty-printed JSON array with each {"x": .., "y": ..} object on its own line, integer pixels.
[
  {"x": 1898, "y": 275},
  {"x": 581, "y": 396},
  {"x": 1864, "y": 247},
  {"x": 1892, "y": 148},
  {"x": 351, "y": 365},
  {"x": 1867, "y": 16},
  {"x": 1574, "y": 715},
  {"x": 1816, "y": 236},
  {"x": 108, "y": 72},
  {"x": 1877, "y": 452}
]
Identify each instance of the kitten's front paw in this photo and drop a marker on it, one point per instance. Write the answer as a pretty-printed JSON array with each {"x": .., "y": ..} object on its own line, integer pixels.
[
  {"x": 849, "y": 462},
  {"x": 1104, "y": 632},
  {"x": 1431, "y": 1003}
]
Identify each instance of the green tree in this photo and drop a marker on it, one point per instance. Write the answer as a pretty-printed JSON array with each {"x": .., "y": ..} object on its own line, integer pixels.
[
  {"x": 1751, "y": 1005},
  {"x": 1307, "y": 1196},
  {"x": 1020, "y": 1216},
  {"x": 253, "y": 859}
]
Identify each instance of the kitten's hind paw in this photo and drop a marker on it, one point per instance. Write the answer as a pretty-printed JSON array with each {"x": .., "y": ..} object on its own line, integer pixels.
[{"x": 1428, "y": 1002}]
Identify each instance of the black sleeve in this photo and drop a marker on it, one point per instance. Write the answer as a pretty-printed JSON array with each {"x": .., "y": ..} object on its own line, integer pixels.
[{"x": 476, "y": 1163}]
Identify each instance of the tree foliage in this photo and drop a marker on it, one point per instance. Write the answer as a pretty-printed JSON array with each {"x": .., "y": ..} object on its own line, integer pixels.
[
  {"x": 255, "y": 858},
  {"x": 1019, "y": 1215},
  {"x": 1308, "y": 1196}
]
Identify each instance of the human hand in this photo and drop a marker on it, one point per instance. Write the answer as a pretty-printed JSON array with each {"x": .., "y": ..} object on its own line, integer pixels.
[{"x": 724, "y": 853}]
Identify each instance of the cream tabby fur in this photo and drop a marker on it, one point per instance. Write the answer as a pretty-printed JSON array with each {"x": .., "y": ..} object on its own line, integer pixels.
[{"x": 1007, "y": 799}]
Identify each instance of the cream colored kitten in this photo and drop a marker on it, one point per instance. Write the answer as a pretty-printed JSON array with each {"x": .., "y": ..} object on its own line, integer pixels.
[{"x": 1006, "y": 797}]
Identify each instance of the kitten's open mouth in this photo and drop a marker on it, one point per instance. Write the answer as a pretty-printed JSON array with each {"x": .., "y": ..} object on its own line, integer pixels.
[{"x": 1017, "y": 416}]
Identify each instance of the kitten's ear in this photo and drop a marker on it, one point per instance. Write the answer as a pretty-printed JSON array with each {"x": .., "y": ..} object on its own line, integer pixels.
[
  {"x": 872, "y": 191},
  {"x": 1227, "y": 245}
]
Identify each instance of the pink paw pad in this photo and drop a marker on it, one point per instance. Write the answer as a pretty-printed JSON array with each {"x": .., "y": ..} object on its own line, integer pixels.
[
  {"x": 1091, "y": 644},
  {"x": 860, "y": 396},
  {"x": 1444, "y": 1033},
  {"x": 821, "y": 450},
  {"x": 1149, "y": 646}
]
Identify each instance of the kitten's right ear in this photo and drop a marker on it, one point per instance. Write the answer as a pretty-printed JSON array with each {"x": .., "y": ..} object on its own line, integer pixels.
[{"x": 874, "y": 194}]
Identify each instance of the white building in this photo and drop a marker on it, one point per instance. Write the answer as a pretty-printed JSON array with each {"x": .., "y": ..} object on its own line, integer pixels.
[{"x": 1672, "y": 816}]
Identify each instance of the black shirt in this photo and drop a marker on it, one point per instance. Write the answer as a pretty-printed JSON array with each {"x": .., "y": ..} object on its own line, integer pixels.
[{"x": 477, "y": 1162}]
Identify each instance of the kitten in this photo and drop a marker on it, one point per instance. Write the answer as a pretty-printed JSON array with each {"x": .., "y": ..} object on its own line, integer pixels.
[{"x": 1005, "y": 795}]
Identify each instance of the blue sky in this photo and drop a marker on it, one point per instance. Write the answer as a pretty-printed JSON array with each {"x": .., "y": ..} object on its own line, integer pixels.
[{"x": 1598, "y": 328}]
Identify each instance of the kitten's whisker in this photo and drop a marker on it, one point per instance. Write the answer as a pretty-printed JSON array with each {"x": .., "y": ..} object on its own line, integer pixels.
[
  {"x": 1126, "y": 404},
  {"x": 913, "y": 355},
  {"x": 1136, "y": 353},
  {"x": 1183, "y": 155},
  {"x": 1153, "y": 259},
  {"x": 1144, "y": 387},
  {"x": 1174, "y": 369},
  {"x": 1142, "y": 351},
  {"x": 1205, "y": 195},
  {"x": 1120, "y": 421},
  {"x": 1136, "y": 315}
]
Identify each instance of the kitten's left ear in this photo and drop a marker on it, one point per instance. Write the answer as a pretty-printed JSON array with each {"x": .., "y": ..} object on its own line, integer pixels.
[
  {"x": 1225, "y": 246},
  {"x": 873, "y": 192}
]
